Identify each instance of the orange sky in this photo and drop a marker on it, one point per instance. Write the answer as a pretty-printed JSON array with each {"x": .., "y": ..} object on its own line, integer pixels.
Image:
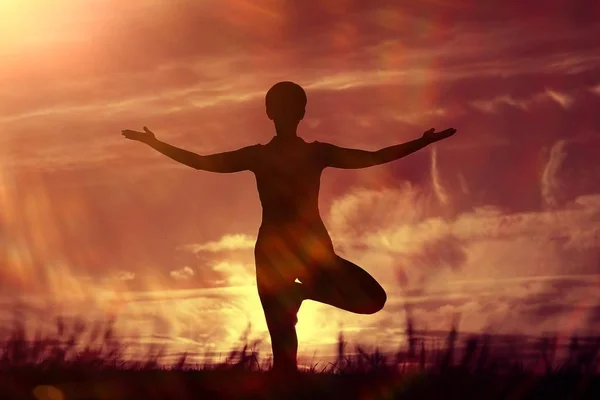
[{"x": 499, "y": 224}]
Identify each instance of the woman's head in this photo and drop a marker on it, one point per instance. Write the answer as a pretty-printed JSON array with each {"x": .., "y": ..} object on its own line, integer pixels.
[{"x": 286, "y": 102}]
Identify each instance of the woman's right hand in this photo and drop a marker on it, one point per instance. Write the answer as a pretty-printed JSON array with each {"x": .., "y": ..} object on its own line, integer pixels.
[
  {"x": 431, "y": 136},
  {"x": 145, "y": 137}
]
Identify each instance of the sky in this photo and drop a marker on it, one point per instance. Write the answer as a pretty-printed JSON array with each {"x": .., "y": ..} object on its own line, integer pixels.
[{"x": 498, "y": 226}]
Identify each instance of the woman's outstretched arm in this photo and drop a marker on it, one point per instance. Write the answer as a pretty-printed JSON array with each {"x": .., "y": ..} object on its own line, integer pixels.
[
  {"x": 340, "y": 157},
  {"x": 227, "y": 162}
]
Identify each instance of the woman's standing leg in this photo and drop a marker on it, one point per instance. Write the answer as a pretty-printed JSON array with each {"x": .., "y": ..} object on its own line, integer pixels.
[{"x": 280, "y": 298}]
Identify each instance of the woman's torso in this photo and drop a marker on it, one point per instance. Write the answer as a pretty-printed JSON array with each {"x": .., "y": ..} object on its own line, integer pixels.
[{"x": 288, "y": 174}]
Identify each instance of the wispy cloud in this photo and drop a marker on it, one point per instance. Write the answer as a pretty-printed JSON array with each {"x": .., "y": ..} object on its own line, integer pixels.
[
  {"x": 550, "y": 182},
  {"x": 492, "y": 105},
  {"x": 440, "y": 192},
  {"x": 182, "y": 274},
  {"x": 421, "y": 117},
  {"x": 563, "y": 99},
  {"x": 125, "y": 276}
]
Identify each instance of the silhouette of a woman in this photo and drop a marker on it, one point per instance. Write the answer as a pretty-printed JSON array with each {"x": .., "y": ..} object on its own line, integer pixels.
[{"x": 293, "y": 243}]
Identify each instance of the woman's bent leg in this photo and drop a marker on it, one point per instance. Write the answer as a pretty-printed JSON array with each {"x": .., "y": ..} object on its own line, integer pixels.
[{"x": 344, "y": 285}]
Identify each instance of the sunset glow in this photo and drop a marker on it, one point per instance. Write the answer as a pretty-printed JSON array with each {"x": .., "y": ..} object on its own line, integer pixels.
[{"x": 499, "y": 224}]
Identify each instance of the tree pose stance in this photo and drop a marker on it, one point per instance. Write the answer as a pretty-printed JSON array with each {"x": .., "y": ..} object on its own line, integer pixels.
[{"x": 292, "y": 242}]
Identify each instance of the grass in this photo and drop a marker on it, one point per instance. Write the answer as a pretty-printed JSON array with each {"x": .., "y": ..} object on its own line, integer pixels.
[{"x": 81, "y": 362}]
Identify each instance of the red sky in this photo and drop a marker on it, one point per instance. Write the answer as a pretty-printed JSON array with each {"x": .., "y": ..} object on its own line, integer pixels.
[{"x": 499, "y": 224}]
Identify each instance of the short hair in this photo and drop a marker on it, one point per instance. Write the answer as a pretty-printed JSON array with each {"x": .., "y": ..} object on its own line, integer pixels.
[{"x": 286, "y": 100}]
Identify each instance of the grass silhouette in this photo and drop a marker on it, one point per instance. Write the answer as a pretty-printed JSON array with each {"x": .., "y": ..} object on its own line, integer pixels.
[{"x": 89, "y": 362}]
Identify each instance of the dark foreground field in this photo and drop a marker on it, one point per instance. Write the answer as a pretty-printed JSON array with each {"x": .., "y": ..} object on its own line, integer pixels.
[
  {"x": 66, "y": 366},
  {"x": 145, "y": 384},
  {"x": 231, "y": 384}
]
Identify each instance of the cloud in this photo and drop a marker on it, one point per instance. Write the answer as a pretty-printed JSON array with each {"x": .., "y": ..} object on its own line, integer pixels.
[
  {"x": 494, "y": 105},
  {"x": 235, "y": 273},
  {"x": 182, "y": 87},
  {"x": 125, "y": 276},
  {"x": 439, "y": 190},
  {"x": 563, "y": 99},
  {"x": 228, "y": 242},
  {"x": 427, "y": 249},
  {"x": 420, "y": 117},
  {"x": 550, "y": 183},
  {"x": 182, "y": 274},
  {"x": 569, "y": 170}
]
